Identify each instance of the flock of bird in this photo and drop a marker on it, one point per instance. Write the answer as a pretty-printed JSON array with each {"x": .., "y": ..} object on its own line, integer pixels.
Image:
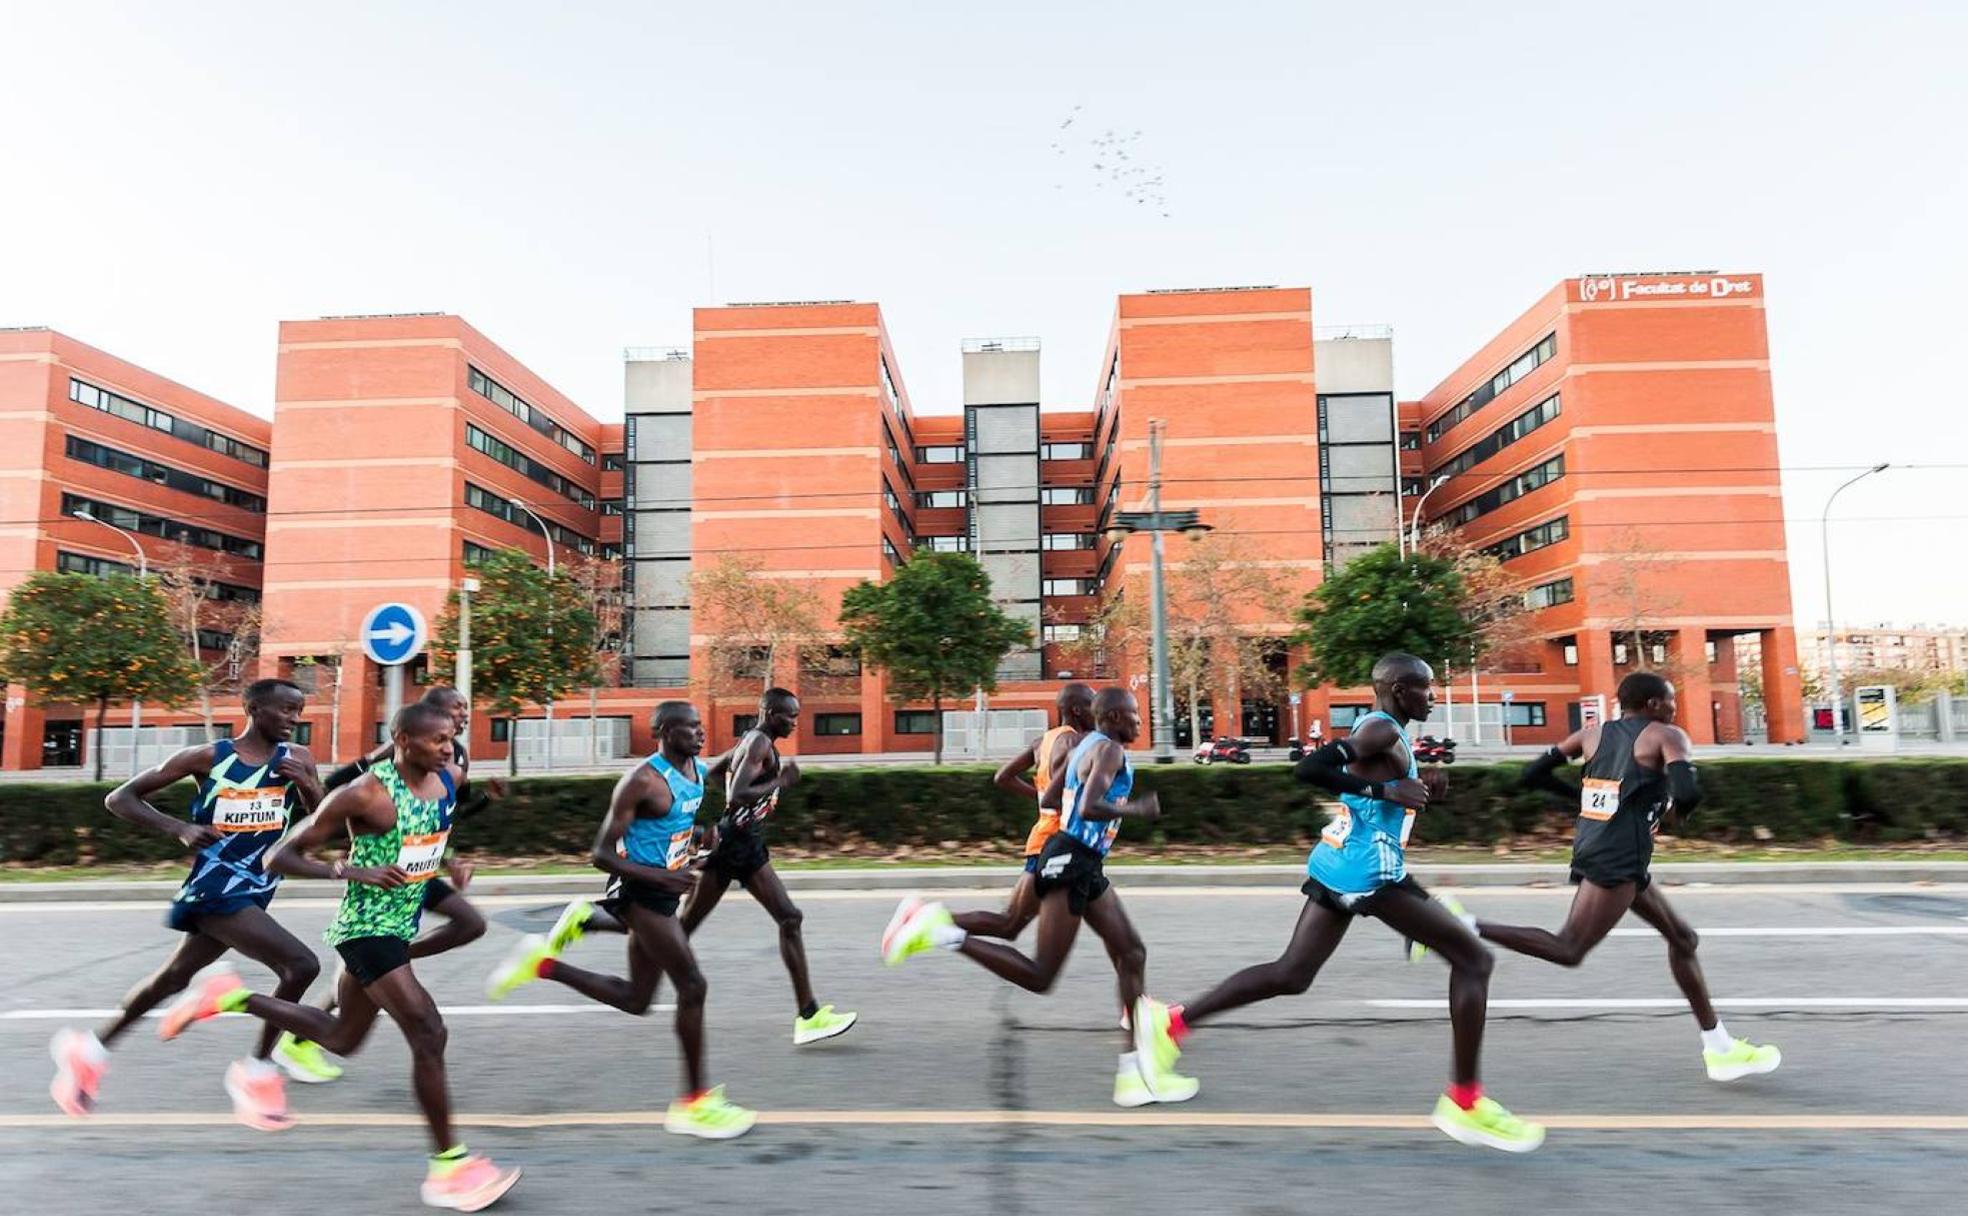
[{"x": 1115, "y": 160}]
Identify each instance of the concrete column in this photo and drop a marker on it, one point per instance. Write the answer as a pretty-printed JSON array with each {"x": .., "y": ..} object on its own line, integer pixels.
[
  {"x": 22, "y": 746},
  {"x": 1783, "y": 689},
  {"x": 1694, "y": 689}
]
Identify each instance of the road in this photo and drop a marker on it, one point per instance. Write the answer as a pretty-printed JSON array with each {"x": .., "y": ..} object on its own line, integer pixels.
[{"x": 957, "y": 1094}]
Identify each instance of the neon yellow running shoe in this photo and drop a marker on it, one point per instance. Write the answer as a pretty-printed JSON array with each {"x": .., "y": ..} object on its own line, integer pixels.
[
  {"x": 1152, "y": 1041},
  {"x": 304, "y": 1061},
  {"x": 1743, "y": 1059},
  {"x": 571, "y": 927},
  {"x": 1129, "y": 1089},
  {"x": 1487, "y": 1124},
  {"x": 709, "y": 1117},
  {"x": 914, "y": 932},
  {"x": 522, "y": 966},
  {"x": 824, "y": 1024}
]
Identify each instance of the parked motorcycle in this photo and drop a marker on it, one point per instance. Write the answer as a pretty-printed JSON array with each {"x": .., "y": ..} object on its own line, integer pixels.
[{"x": 1430, "y": 750}]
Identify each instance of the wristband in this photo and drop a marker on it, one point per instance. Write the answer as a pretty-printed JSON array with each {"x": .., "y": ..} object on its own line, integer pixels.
[{"x": 1377, "y": 791}]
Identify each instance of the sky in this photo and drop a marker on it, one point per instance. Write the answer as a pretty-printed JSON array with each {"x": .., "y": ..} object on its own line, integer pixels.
[{"x": 573, "y": 179}]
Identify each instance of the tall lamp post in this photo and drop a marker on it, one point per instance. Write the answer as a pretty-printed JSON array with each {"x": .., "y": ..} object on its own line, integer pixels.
[
  {"x": 547, "y": 535},
  {"x": 143, "y": 575},
  {"x": 1155, "y": 522},
  {"x": 1831, "y": 617},
  {"x": 1414, "y": 533}
]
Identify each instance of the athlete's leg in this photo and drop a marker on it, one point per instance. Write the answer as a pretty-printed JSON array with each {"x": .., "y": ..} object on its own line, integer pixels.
[
  {"x": 703, "y": 898},
  {"x": 1106, "y": 917},
  {"x": 1434, "y": 926},
  {"x": 341, "y": 1032},
  {"x": 195, "y": 953},
  {"x": 1650, "y": 906},
  {"x": 1595, "y": 910},
  {"x": 1317, "y": 934},
  {"x": 255, "y": 934},
  {"x": 1058, "y": 926},
  {"x": 410, "y": 1006},
  {"x": 1018, "y": 912},
  {"x": 661, "y": 946},
  {"x": 771, "y": 894},
  {"x": 632, "y": 995},
  {"x": 463, "y": 924}
]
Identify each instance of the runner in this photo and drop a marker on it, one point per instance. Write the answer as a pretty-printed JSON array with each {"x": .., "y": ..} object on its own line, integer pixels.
[
  {"x": 646, "y": 845},
  {"x": 247, "y": 790},
  {"x": 463, "y": 923},
  {"x": 1357, "y": 869},
  {"x": 1636, "y": 768},
  {"x": 1092, "y": 789},
  {"x": 1044, "y": 757},
  {"x": 397, "y": 818}
]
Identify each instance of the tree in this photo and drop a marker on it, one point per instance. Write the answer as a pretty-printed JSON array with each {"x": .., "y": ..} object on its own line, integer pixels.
[
  {"x": 933, "y": 628},
  {"x": 1214, "y": 590},
  {"x": 1383, "y": 601},
  {"x": 76, "y": 638},
  {"x": 1107, "y": 640},
  {"x": 188, "y": 579},
  {"x": 754, "y": 623},
  {"x": 532, "y": 636},
  {"x": 1625, "y": 583},
  {"x": 1493, "y": 597},
  {"x": 600, "y": 580}
]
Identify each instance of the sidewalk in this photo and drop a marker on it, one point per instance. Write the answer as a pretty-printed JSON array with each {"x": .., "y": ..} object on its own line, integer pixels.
[{"x": 931, "y": 878}]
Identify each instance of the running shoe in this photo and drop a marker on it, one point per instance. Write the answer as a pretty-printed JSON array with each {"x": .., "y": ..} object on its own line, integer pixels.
[
  {"x": 1152, "y": 1041},
  {"x": 915, "y": 933},
  {"x": 219, "y": 992},
  {"x": 259, "y": 1098},
  {"x": 571, "y": 926},
  {"x": 824, "y": 1024},
  {"x": 467, "y": 1184},
  {"x": 522, "y": 966},
  {"x": 304, "y": 1061},
  {"x": 1130, "y": 1089},
  {"x": 904, "y": 911},
  {"x": 1487, "y": 1124},
  {"x": 1417, "y": 951},
  {"x": 80, "y": 1062},
  {"x": 1743, "y": 1059},
  {"x": 709, "y": 1117}
]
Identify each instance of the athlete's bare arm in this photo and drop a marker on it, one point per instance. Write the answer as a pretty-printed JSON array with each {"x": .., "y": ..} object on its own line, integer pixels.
[
  {"x": 1378, "y": 756},
  {"x": 1103, "y": 765},
  {"x": 642, "y": 790},
  {"x": 363, "y": 806},
  {"x": 299, "y": 768},
  {"x": 1012, "y": 775},
  {"x": 750, "y": 782},
  {"x": 130, "y": 801}
]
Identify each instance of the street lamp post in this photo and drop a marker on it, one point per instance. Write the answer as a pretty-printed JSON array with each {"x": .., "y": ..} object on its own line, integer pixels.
[
  {"x": 1414, "y": 535},
  {"x": 1831, "y": 617},
  {"x": 547, "y": 535},
  {"x": 1155, "y": 522},
  {"x": 143, "y": 575}
]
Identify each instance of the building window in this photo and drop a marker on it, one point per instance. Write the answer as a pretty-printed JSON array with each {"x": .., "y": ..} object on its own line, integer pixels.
[
  {"x": 836, "y": 725},
  {"x": 1619, "y": 654},
  {"x": 1344, "y": 717},
  {"x": 163, "y": 475},
  {"x": 304, "y": 733},
  {"x": 1520, "y": 367},
  {"x": 477, "y": 554},
  {"x": 83, "y": 393},
  {"x": 1067, "y": 540},
  {"x": 1056, "y": 634},
  {"x": 1068, "y": 496},
  {"x": 944, "y": 544},
  {"x": 503, "y": 452},
  {"x": 490, "y": 503},
  {"x": 888, "y": 387},
  {"x": 1571, "y": 654},
  {"x": 1546, "y": 595},
  {"x": 1523, "y": 483},
  {"x": 1410, "y": 441},
  {"x": 1066, "y": 451},
  {"x": 829, "y": 662},
  {"x": 511, "y": 402},
  {"x": 890, "y": 552},
  {"x": 1066, "y": 586},
  {"x": 1501, "y": 438},
  {"x": 1530, "y": 540},
  {"x": 1523, "y": 713},
  {"x": 1410, "y": 487},
  {"x": 132, "y": 520},
  {"x": 1708, "y": 648},
  {"x": 502, "y": 730},
  {"x": 611, "y": 462},
  {"x": 941, "y": 454},
  {"x": 742, "y": 723},
  {"x": 915, "y": 722},
  {"x": 100, "y": 567},
  {"x": 941, "y": 498}
]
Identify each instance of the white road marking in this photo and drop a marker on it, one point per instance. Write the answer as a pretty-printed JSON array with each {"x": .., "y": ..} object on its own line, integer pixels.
[
  {"x": 1675, "y": 1002},
  {"x": 449, "y": 1011}
]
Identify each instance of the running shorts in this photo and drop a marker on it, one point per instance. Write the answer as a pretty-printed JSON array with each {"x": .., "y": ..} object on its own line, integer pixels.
[
  {"x": 369, "y": 959},
  {"x": 625, "y": 891},
  {"x": 740, "y": 853},
  {"x": 184, "y": 916},
  {"x": 1066, "y": 864},
  {"x": 1600, "y": 878},
  {"x": 1357, "y": 903}
]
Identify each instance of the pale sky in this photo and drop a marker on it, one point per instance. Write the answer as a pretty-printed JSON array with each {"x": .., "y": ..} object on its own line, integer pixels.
[{"x": 574, "y": 178}]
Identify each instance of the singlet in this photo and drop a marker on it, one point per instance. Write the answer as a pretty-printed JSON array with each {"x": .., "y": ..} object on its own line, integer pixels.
[
  {"x": 1048, "y": 821},
  {"x": 249, "y": 806},
  {"x": 1361, "y": 849},
  {"x": 1095, "y": 834},
  {"x": 665, "y": 842},
  {"x": 748, "y": 817},
  {"x": 415, "y": 842},
  {"x": 1620, "y": 806}
]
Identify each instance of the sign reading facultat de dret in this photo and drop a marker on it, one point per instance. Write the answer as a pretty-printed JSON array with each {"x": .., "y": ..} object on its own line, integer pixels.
[{"x": 1618, "y": 288}]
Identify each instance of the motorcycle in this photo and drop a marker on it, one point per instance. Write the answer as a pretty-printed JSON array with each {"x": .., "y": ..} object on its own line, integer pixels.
[
  {"x": 1430, "y": 750},
  {"x": 1301, "y": 748}
]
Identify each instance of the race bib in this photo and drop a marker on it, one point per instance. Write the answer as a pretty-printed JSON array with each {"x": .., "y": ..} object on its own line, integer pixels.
[
  {"x": 261, "y": 810},
  {"x": 1407, "y": 827},
  {"x": 1598, "y": 798},
  {"x": 679, "y": 850},
  {"x": 422, "y": 856},
  {"x": 1339, "y": 829}
]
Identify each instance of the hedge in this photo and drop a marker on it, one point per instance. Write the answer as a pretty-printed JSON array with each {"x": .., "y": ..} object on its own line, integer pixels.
[{"x": 1749, "y": 800}]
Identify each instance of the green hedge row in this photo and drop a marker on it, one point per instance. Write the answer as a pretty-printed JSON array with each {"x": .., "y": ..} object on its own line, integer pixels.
[{"x": 1880, "y": 801}]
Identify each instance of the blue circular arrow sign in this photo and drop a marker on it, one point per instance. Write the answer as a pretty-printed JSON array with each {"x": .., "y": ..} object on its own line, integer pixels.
[{"x": 393, "y": 634}]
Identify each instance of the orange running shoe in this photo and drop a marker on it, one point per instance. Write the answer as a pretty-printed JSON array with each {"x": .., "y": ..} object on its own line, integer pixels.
[
  {"x": 259, "y": 1095},
  {"x": 466, "y": 1185},
  {"x": 80, "y": 1063},
  {"x": 207, "y": 999}
]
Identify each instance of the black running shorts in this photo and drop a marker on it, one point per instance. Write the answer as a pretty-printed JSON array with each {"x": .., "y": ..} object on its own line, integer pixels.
[
  {"x": 1363, "y": 903},
  {"x": 740, "y": 853},
  {"x": 1066, "y": 864},
  {"x": 369, "y": 959},
  {"x": 1601, "y": 878},
  {"x": 625, "y": 891}
]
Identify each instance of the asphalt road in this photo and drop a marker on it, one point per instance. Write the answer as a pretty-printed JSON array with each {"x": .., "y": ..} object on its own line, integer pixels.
[{"x": 957, "y": 1094}]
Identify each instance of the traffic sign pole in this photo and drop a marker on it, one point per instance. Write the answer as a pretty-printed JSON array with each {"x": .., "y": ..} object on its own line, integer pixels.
[{"x": 392, "y": 695}]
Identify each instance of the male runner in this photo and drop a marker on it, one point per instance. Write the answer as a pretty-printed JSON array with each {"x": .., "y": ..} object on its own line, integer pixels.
[
  {"x": 304, "y": 1061},
  {"x": 1092, "y": 789},
  {"x": 1636, "y": 768},
  {"x": 646, "y": 844},
  {"x": 1042, "y": 758},
  {"x": 1358, "y": 869},
  {"x": 247, "y": 789},
  {"x": 397, "y": 817}
]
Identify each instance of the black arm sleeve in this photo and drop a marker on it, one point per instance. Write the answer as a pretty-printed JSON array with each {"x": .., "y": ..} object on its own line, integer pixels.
[
  {"x": 1323, "y": 769},
  {"x": 470, "y": 801},
  {"x": 1686, "y": 788},
  {"x": 345, "y": 774},
  {"x": 1542, "y": 774}
]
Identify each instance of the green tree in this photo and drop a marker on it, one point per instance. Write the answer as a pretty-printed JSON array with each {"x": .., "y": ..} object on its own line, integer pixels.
[
  {"x": 532, "y": 636},
  {"x": 1383, "y": 601},
  {"x": 933, "y": 628},
  {"x": 77, "y": 639}
]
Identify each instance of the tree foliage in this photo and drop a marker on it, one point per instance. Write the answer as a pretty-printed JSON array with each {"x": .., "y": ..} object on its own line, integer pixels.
[
  {"x": 1382, "y": 601},
  {"x": 755, "y": 624},
  {"x": 933, "y": 628},
  {"x": 79, "y": 639},
  {"x": 532, "y": 637},
  {"x": 186, "y": 577}
]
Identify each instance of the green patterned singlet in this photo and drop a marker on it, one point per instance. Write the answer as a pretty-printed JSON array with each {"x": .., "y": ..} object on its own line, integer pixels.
[{"x": 416, "y": 843}]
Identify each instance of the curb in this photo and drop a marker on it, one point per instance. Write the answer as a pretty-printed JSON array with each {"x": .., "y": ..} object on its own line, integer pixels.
[{"x": 931, "y": 878}]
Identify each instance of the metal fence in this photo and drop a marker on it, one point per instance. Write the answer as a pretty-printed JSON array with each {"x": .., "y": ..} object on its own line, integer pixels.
[
  {"x": 570, "y": 742},
  {"x": 995, "y": 733},
  {"x": 126, "y": 752}
]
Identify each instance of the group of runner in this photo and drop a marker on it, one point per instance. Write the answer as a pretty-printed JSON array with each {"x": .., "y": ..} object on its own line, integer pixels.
[{"x": 383, "y": 826}]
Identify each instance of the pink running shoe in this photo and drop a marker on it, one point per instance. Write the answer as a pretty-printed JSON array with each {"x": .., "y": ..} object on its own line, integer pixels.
[
  {"x": 202, "y": 1002},
  {"x": 259, "y": 1095},
  {"x": 466, "y": 1185},
  {"x": 906, "y": 909},
  {"x": 80, "y": 1063}
]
